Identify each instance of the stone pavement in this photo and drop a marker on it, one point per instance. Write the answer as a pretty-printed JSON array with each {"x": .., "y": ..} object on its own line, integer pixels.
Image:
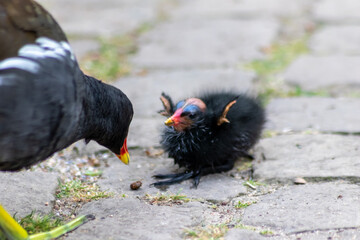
[{"x": 205, "y": 44}]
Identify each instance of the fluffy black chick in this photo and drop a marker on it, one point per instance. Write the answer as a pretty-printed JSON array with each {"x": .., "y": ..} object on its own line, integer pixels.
[{"x": 208, "y": 133}]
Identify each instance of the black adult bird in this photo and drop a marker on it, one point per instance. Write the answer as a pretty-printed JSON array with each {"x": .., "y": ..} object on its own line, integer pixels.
[
  {"x": 47, "y": 102},
  {"x": 207, "y": 134}
]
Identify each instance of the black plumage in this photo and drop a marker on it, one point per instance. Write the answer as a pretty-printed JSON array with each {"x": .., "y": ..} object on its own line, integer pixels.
[
  {"x": 207, "y": 134},
  {"x": 47, "y": 103}
]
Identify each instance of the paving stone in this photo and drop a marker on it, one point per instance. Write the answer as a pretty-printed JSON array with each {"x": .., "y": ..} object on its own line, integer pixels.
[
  {"x": 199, "y": 43},
  {"x": 25, "y": 191},
  {"x": 236, "y": 234},
  {"x": 82, "y": 47},
  {"x": 94, "y": 18},
  {"x": 337, "y": 234},
  {"x": 179, "y": 85},
  {"x": 241, "y": 9},
  {"x": 315, "y": 72},
  {"x": 313, "y": 156},
  {"x": 323, "y": 114},
  {"x": 307, "y": 207},
  {"x": 336, "y": 40},
  {"x": 132, "y": 219},
  {"x": 333, "y": 11},
  {"x": 214, "y": 187}
]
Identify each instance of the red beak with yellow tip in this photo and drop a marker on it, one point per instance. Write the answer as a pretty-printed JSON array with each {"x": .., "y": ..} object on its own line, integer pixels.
[
  {"x": 169, "y": 122},
  {"x": 124, "y": 154},
  {"x": 174, "y": 119}
]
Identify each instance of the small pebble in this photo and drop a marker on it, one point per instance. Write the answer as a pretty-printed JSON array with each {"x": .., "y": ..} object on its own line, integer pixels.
[
  {"x": 299, "y": 181},
  {"x": 135, "y": 185},
  {"x": 46, "y": 203}
]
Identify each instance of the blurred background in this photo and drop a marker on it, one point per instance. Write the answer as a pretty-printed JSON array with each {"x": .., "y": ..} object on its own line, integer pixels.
[{"x": 271, "y": 48}]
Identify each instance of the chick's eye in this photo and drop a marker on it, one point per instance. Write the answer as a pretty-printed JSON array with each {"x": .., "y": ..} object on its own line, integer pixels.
[
  {"x": 180, "y": 104},
  {"x": 191, "y": 111},
  {"x": 192, "y": 115}
]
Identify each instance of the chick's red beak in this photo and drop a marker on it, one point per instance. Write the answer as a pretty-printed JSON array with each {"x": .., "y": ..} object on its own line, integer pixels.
[
  {"x": 174, "y": 119},
  {"x": 124, "y": 154}
]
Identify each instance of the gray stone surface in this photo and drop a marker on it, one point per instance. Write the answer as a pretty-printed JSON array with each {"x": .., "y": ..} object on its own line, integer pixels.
[
  {"x": 240, "y": 9},
  {"x": 323, "y": 114},
  {"x": 345, "y": 11},
  {"x": 104, "y": 18},
  {"x": 313, "y": 156},
  {"x": 132, "y": 219},
  {"x": 330, "y": 72},
  {"x": 23, "y": 192},
  {"x": 179, "y": 85},
  {"x": 117, "y": 178},
  {"x": 82, "y": 47},
  {"x": 204, "y": 43},
  {"x": 307, "y": 207},
  {"x": 336, "y": 40},
  {"x": 338, "y": 234},
  {"x": 236, "y": 234},
  {"x": 145, "y": 132}
]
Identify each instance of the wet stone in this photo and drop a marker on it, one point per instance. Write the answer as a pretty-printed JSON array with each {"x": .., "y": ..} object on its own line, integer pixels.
[
  {"x": 322, "y": 156},
  {"x": 330, "y": 72},
  {"x": 23, "y": 192},
  {"x": 294, "y": 209},
  {"x": 322, "y": 114}
]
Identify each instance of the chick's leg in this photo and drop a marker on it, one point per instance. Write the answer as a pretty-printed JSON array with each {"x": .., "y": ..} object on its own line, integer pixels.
[{"x": 174, "y": 178}]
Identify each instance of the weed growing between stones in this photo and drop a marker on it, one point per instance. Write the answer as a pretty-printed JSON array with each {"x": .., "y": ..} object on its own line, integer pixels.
[
  {"x": 243, "y": 205},
  {"x": 110, "y": 61},
  {"x": 266, "y": 232},
  {"x": 211, "y": 232},
  {"x": 278, "y": 57},
  {"x": 167, "y": 199},
  {"x": 36, "y": 222},
  {"x": 252, "y": 184},
  {"x": 81, "y": 192}
]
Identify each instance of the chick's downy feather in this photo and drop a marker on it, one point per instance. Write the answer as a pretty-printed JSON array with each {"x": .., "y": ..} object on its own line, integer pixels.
[{"x": 208, "y": 134}]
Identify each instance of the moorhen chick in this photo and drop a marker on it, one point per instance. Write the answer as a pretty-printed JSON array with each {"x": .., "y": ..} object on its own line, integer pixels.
[{"x": 207, "y": 134}]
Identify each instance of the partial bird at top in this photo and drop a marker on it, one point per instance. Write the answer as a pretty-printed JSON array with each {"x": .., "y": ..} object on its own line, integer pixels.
[
  {"x": 208, "y": 133},
  {"x": 22, "y": 22}
]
